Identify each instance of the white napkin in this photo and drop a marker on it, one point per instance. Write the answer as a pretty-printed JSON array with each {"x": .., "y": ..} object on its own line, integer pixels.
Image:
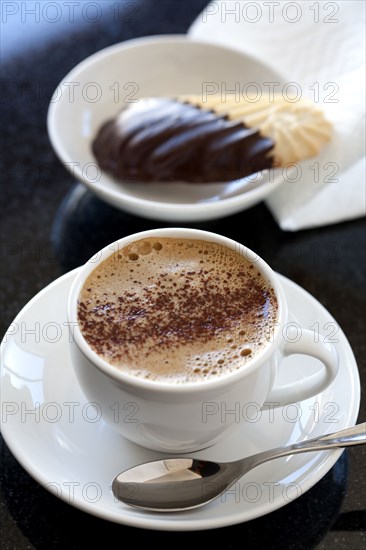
[{"x": 320, "y": 46}]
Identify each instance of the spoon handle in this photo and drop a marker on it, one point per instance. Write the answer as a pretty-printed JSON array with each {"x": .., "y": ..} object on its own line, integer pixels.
[{"x": 344, "y": 438}]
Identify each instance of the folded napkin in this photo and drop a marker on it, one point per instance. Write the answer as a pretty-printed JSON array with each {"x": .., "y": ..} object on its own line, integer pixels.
[{"x": 319, "y": 46}]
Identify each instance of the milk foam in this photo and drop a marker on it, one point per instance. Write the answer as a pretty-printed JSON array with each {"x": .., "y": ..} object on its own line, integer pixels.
[{"x": 177, "y": 310}]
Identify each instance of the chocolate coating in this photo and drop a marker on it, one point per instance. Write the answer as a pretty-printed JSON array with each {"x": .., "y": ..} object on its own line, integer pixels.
[{"x": 166, "y": 140}]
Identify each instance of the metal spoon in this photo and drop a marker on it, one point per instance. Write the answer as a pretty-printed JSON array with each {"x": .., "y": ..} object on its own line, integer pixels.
[{"x": 175, "y": 484}]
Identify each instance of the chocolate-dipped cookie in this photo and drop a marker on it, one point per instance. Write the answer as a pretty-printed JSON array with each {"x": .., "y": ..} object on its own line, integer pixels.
[{"x": 187, "y": 139}]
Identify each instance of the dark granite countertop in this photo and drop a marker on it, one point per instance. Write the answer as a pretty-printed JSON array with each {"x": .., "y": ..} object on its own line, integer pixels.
[{"x": 50, "y": 224}]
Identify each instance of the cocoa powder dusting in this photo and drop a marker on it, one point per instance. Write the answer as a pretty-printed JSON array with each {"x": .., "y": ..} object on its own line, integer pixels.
[{"x": 174, "y": 317}]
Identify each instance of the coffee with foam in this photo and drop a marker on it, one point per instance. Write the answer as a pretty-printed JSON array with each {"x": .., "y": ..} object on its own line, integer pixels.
[{"x": 177, "y": 310}]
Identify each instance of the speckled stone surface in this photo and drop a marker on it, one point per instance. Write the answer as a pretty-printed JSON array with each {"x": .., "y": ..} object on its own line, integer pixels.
[{"x": 50, "y": 224}]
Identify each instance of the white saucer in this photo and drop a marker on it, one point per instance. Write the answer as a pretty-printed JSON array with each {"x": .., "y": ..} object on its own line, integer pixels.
[
  {"x": 57, "y": 437},
  {"x": 96, "y": 90}
]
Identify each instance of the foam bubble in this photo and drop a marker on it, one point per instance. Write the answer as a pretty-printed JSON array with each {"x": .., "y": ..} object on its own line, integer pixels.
[
  {"x": 144, "y": 248},
  {"x": 133, "y": 256}
]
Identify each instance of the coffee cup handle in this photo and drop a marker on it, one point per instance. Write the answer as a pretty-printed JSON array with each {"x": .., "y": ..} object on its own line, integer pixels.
[{"x": 313, "y": 384}]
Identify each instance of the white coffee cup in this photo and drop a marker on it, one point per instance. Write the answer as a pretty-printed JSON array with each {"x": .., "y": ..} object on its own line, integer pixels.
[{"x": 180, "y": 418}]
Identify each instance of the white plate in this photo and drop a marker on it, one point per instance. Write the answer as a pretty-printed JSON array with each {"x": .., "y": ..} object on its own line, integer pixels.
[
  {"x": 57, "y": 437},
  {"x": 96, "y": 90}
]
